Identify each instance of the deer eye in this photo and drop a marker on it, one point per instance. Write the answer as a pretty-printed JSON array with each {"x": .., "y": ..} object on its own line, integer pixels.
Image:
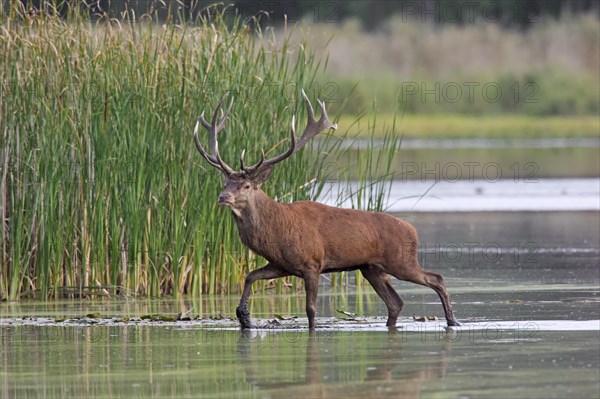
[{"x": 247, "y": 186}]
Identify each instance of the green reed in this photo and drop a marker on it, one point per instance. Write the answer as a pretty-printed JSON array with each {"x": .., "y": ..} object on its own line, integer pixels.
[{"x": 102, "y": 190}]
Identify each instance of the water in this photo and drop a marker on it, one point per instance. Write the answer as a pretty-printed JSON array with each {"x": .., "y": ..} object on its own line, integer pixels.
[
  {"x": 523, "y": 160},
  {"x": 162, "y": 362},
  {"x": 526, "y": 287},
  {"x": 481, "y": 195}
]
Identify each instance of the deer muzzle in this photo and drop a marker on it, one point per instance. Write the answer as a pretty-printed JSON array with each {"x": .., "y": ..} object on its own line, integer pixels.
[{"x": 226, "y": 199}]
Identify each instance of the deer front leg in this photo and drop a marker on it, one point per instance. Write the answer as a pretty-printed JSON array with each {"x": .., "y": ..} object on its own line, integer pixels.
[
  {"x": 264, "y": 273},
  {"x": 311, "y": 286}
]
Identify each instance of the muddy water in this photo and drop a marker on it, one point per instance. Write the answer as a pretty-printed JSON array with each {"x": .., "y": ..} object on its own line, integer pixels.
[{"x": 524, "y": 285}]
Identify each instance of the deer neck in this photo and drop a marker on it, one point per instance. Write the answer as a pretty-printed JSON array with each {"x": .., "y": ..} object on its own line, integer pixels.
[{"x": 261, "y": 222}]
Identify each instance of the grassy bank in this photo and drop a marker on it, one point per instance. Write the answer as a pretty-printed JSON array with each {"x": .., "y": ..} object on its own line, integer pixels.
[
  {"x": 102, "y": 191},
  {"x": 418, "y": 126}
]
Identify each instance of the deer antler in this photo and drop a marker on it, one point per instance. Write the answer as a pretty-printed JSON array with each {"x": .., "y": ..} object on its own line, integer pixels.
[
  {"x": 313, "y": 127},
  {"x": 214, "y": 128}
]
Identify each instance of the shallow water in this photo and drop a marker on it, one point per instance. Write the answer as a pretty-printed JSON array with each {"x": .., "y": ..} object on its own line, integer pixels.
[
  {"x": 525, "y": 286},
  {"x": 477, "y": 195},
  {"x": 480, "y": 159},
  {"x": 177, "y": 362}
]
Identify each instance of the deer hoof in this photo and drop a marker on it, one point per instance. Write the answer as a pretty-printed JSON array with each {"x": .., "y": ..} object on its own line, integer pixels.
[{"x": 243, "y": 315}]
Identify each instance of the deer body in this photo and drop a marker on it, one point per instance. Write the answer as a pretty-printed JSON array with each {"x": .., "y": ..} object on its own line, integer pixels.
[
  {"x": 306, "y": 238},
  {"x": 330, "y": 239}
]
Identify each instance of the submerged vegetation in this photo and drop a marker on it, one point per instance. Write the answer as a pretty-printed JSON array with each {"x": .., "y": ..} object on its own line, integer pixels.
[{"x": 102, "y": 191}]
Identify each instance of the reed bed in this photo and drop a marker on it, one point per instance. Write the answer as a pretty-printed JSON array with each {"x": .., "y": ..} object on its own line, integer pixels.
[{"x": 102, "y": 191}]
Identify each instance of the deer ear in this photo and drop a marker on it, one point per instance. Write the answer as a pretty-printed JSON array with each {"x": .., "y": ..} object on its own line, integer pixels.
[{"x": 262, "y": 175}]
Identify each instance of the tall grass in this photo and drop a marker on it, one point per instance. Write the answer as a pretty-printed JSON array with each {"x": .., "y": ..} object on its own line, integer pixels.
[{"x": 102, "y": 191}]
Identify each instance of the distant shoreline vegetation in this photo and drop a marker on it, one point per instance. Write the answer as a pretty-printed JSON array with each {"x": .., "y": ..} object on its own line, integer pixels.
[
  {"x": 481, "y": 68},
  {"x": 370, "y": 14}
]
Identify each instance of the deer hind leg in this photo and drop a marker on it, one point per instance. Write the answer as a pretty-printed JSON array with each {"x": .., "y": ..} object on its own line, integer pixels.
[
  {"x": 418, "y": 275},
  {"x": 266, "y": 272},
  {"x": 436, "y": 282},
  {"x": 380, "y": 281}
]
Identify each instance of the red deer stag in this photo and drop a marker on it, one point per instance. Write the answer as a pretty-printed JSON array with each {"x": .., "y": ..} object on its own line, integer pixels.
[{"x": 306, "y": 238}]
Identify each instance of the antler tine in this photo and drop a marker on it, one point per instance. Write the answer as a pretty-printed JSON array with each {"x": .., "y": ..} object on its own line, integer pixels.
[
  {"x": 222, "y": 163},
  {"x": 211, "y": 160},
  {"x": 258, "y": 164},
  {"x": 242, "y": 159},
  {"x": 263, "y": 164},
  {"x": 289, "y": 151},
  {"x": 225, "y": 115},
  {"x": 214, "y": 128},
  {"x": 314, "y": 127},
  {"x": 203, "y": 121},
  {"x": 253, "y": 168},
  {"x": 221, "y": 124}
]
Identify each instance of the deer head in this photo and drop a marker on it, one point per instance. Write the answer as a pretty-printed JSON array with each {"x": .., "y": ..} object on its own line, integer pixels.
[{"x": 243, "y": 185}]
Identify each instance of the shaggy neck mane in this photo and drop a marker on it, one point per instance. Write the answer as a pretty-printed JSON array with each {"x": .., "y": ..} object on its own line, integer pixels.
[{"x": 261, "y": 223}]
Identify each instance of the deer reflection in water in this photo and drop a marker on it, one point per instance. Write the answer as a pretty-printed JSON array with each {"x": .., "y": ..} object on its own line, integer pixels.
[{"x": 384, "y": 369}]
